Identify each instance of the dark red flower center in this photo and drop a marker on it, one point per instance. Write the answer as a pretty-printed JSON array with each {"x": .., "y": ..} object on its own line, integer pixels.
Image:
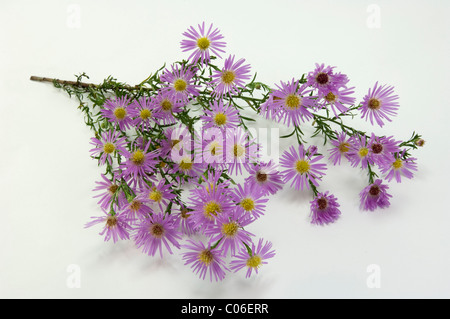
[
  {"x": 261, "y": 177},
  {"x": 374, "y": 190},
  {"x": 322, "y": 203},
  {"x": 322, "y": 78},
  {"x": 377, "y": 148}
]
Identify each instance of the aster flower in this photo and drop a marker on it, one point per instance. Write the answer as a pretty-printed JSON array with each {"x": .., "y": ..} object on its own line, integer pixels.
[
  {"x": 249, "y": 200},
  {"x": 202, "y": 42},
  {"x": 136, "y": 209},
  {"x": 359, "y": 152},
  {"x": 324, "y": 209},
  {"x": 205, "y": 259},
  {"x": 375, "y": 196},
  {"x": 341, "y": 148},
  {"x": 107, "y": 145},
  {"x": 185, "y": 222},
  {"x": 265, "y": 177},
  {"x": 159, "y": 193},
  {"x": 154, "y": 231},
  {"x": 180, "y": 83},
  {"x": 220, "y": 116},
  {"x": 143, "y": 111},
  {"x": 291, "y": 102},
  {"x": 231, "y": 78},
  {"x": 210, "y": 147},
  {"x": 116, "y": 226},
  {"x": 301, "y": 168},
  {"x": 379, "y": 104},
  {"x": 110, "y": 190},
  {"x": 337, "y": 99},
  {"x": 324, "y": 79},
  {"x": 166, "y": 105},
  {"x": 398, "y": 167},
  {"x": 382, "y": 149},
  {"x": 139, "y": 163},
  {"x": 187, "y": 168},
  {"x": 240, "y": 150},
  {"x": 252, "y": 258},
  {"x": 116, "y": 111},
  {"x": 176, "y": 142}
]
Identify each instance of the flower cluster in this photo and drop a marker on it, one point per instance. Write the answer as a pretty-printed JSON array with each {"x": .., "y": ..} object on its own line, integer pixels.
[{"x": 183, "y": 171}]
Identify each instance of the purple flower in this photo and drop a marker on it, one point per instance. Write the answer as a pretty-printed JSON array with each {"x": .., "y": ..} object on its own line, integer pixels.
[
  {"x": 210, "y": 148},
  {"x": 136, "y": 209},
  {"x": 180, "y": 83},
  {"x": 184, "y": 220},
  {"x": 291, "y": 103},
  {"x": 379, "y": 104},
  {"x": 165, "y": 103},
  {"x": 265, "y": 177},
  {"x": 341, "y": 148},
  {"x": 228, "y": 229},
  {"x": 359, "y": 152},
  {"x": 116, "y": 111},
  {"x": 139, "y": 163},
  {"x": 382, "y": 149},
  {"x": 249, "y": 200},
  {"x": 252, "y": 259},
  {"x": 107, "y": 145},
  {"x": 301, "y": 168},
  {"x": 231, "y": 78},
  {"x": 240, "y": 150},
  {"x": 144, "y": 111},
  {"x": 398, "y": 167},
  {"x": 176, "y": 141},
  {"x": 324, "y": 79},
  {"x": 336, "y": 99},
  {"x": 205, "y": 259},
  {"x": 324, "y": 209},
  {"x": 109, "y": 189},
  {"x": 116, "y": 226},
  {"x": 220, "y": 116},
  {"x": 202, "y": 42},
  {"x": 154, "y": 231},
  {"x": 374, "y": 196},
  {"x": 159, "y": 193}
]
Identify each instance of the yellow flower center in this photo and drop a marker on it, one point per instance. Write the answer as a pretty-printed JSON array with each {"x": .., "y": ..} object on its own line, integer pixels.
[
  {"x": 206, "y": 257},
  {"x": 374, "y": 104},
  {"x": 248, "y": 204},
  {"x": 293, "y": 101},
  {"x": 238, "y": 150},
  {"x": 344, "y": 147},
  {"x": 166, "y": 105},
  {"x": 330, "y": 97},
  {"x": 180, "y": 85},
  {"x": 214, "y": 147},
  {"x": 228, "y": 77},
  {"x": 363, "y": 151},
  {"x": 185, "y": 164},
  {"x": 302, "y": 166},
  {"x": 155, "y": 195},
  {"x": 138, "y": 157},
  {"x": 120, "y": 113},
  {"x": 220, "y": 119},
  {"x": 230, "y": 229},
  {"x": 211, "y": 209},
  {"x": 145, "y": 114},
  {"x": 203, "y": 43},
  {"x": 254, "y": 262},
  {"x": 397, "y": 164},
  {"x": 109, "y": 148}
]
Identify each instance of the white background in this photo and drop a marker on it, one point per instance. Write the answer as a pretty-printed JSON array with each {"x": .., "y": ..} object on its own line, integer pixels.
[{"x": 47, "y": 175}]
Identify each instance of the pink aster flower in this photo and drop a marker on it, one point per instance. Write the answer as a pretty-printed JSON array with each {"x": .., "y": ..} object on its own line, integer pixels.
[
  {"x": 382, "y": 149},
  {"x": 379, "y": 104},
  {"x": 341, "y": 148},
  {"x": 180, "y": 83},
  {"x": 139, "y": 163},
  {"x": 176, "y": 142},
  {"x": 220, "y": 116},
  {"x": 249, "y": 200},
  {"x": 398, "y": 167},
  {"x": 143, "y": 112},
  {"x": 374, "y": 196},
  {"x": 231, "y": 78},
  {"x": 159, "y": 194},
  {"x": 136, "y": 209},
  {"x": 229, "y": 230},
  {"x": 186, "y": 225},
  {"x": 301, "y": 168},
  {"x": 116, "y": 111},
  {"x": 202, "y": 42},
  {"x": 291, "y": 102},
  {"x": 324, "y": 209},
  {"x": 359, "y": 152},
  {"x": 240, "y": 150},
  {"x": 116, "y": 226},
  {"x": 337, "y": 99},
  {"x": 154, "y": 231},
  {"x": 258, "y": 256},
  {"x": 109, "y": 143},
  {"x": 204, "y": 259},
  {"x": 265, "y": 177},
  {"x": 186, "y": 168},
  {"x": 324, "y": 79},
  {"x": 210, "y": 147},
  {"x": 166, "y": 105},
  {"x": 110, "y": 190}
]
